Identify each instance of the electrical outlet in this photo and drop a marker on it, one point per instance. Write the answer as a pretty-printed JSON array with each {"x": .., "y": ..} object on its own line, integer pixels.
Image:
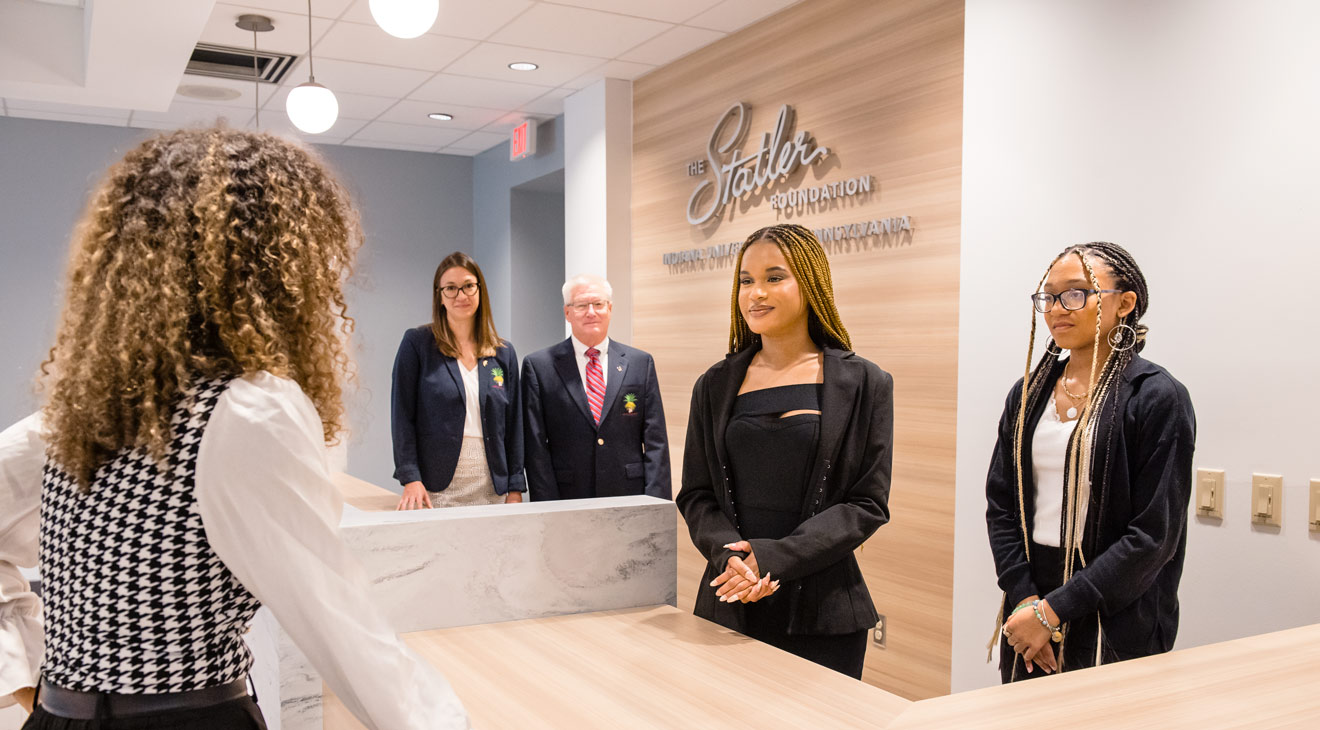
[
  {"x": 1266, "y": 500},
  {"x": 1313, "y": 514},
  {"x": 1210, "y": 493},
  {"x": 881, "y": 633}
]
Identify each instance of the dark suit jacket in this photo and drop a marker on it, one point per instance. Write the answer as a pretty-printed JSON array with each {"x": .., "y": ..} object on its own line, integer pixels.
[
  {"x": 1136, "y": 522},
  {"x": 568, "y": 455},
  {"x": 847, "y": 498},
  {"x": 427, "y": 412}
]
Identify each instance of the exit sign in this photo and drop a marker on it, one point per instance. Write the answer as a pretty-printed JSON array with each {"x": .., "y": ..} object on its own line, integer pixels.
[{"x": 522, "y": 141}]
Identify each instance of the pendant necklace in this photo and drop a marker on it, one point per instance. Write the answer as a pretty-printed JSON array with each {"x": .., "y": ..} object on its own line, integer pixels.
[{"x": 1072, "y": 410}]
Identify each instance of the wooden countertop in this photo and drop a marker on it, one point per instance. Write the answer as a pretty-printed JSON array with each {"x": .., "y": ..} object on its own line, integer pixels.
[
  {"x": 639, "y": 668},
  {"x": 1266, "y": 681}
]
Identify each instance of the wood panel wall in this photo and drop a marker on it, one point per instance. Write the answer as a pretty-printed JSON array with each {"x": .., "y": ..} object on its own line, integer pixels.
[{"x": 880, "y": 83}]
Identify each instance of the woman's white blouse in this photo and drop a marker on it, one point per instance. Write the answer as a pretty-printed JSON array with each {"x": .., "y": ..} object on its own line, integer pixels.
[
  {"x": 471, "y": 402},
  {"x": 1049, "y": 452},
  {"x": 271, "y": 513}
]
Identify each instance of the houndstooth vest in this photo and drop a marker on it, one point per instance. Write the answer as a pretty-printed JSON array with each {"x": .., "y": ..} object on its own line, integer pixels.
[{"x": 135, "y": 599}]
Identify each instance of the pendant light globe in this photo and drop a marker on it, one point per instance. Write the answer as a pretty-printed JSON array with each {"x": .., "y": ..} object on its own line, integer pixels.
[
  {"x": 312, "y": 107},
  {"x": 405, "y": 18}
]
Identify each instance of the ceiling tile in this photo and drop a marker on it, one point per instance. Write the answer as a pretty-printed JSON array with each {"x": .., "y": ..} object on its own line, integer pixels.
[
  {"x": 353, "y": 106},
  {"x": 481, "y": 140},
  {"x": 278, "y": 123},
  {"x": 289, "y": 36},
  {"x": 672, "y": 11},
  {"x": 461, "y": 151},
  {"x": 67, "y": 117},
  {"x": 373, "y": 144},
  {"x": 575, "y": 30},
  {"x": 470, "y": 91},
  {"x": 412, "y": 134},
  {"x": 466, "y": 118},
  {"x": 671, "y": 45},
  {"x": 458, "y": 18},
  {"x": 731, "y": 15},
  {"x": 505, "y": 124},
  {"x": 370, "y": 44},
  {"x": 610, "y": 70},
  {"x": 16, "y": 106},
  {"x": 552, "y": 102},
  {"x": 320, "y": 8},
  {"x": 359, "y": 78},
  {"x": 187, "y": 115},
  {"x": 491, "y": 61},
  {"x": 244, "y": 89}
]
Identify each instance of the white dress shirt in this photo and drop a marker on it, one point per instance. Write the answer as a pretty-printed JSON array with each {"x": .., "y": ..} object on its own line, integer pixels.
[
  {"x": 1049, "y": 454},
  {"x": 271, "y": 513},
  {"x": 580, "y": 350}
]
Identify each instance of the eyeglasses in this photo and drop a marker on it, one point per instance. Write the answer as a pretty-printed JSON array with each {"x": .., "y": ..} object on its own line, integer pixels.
[
  {"x": 580, "y": 307},
  {"x": 451, "y": 291},
  {"x": 1071, "y": 299}
]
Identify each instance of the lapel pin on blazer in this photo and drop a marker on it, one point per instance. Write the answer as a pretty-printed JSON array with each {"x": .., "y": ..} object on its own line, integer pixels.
[
  {"x": 497, "y": 374},
  {"x": 630, "y": 402}
]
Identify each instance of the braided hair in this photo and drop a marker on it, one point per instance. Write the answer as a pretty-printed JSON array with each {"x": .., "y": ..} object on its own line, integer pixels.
[
  {"x": 1084, "y": 454},
  {"x": 806, "y": 258}
]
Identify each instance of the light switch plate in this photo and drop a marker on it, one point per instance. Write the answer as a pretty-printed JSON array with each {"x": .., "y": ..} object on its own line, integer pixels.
[
  {"x": 1313, "y": 511},
  {"x": 1210, "y": 493},
  {"x": 1267, "y": 500}
]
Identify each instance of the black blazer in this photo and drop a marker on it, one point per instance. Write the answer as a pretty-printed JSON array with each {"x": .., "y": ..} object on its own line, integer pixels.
[
  {"x": 568, "y": 455},
  {"x": 1136, "y": 526},
  {"x": 427, "y": 410},
  {"x": 847, "y": 499}
]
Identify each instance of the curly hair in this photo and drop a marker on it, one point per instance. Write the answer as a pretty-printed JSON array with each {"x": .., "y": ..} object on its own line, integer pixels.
[
  {"x": 809, "y": 264},
  {"x": 205, "y": 253}
]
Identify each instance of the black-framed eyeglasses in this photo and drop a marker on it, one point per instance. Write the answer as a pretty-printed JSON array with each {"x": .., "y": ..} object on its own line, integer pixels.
[
  {"x": 1071, "y": 299},
  {"x": 451, "y": 291},
  {"x": 600, "y": 305}
]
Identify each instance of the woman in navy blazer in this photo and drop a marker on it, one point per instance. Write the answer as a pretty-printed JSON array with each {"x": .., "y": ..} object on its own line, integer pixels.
[{"x": 456, "y": 416}]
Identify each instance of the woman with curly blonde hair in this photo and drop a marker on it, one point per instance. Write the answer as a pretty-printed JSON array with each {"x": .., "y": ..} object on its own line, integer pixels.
[{"x": 177, "y": 478}]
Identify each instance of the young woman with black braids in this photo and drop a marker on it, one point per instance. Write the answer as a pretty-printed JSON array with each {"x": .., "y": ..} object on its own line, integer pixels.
[
  {"x": 786, "y": 469},
  {"x": 1090, "y": 481}
]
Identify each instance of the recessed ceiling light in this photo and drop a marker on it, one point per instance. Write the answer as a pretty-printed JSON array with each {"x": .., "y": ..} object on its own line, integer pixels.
[
  {"x": 440, "y": 116},
  {"x": 523, "y": 66}
]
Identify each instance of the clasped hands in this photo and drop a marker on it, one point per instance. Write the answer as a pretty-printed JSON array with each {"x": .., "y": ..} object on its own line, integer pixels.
[
  {"x": 1028, "y": 637},
  {"x": 741, "y": 580}
]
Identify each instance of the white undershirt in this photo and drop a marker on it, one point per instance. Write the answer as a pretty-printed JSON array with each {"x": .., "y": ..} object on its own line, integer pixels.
[
  {"x": 580, "y": 350},
  {"x": 471, "y": 402},
  {"x": 1049, "y": 454},
  {"x": 271, "y": 513}
]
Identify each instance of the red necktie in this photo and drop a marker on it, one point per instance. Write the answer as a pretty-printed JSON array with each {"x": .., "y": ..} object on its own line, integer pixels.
[{"x": 595, "y": 383}]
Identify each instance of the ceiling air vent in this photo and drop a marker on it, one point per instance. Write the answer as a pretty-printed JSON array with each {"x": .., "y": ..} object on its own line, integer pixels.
[{"x": 239, "y": 63}]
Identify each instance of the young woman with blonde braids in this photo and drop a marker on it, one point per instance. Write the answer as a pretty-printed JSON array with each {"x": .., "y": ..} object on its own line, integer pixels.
[
  {"x": 177, "y": 479},
  {"x": 1090, "y": 481},
  {"x": 786, "y": 469}
]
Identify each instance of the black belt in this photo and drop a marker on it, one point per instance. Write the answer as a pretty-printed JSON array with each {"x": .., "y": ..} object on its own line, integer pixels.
[{"x": 75, "y": 705}]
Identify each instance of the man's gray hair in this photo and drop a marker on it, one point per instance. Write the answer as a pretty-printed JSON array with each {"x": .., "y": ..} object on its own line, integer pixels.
[{"x": 582, "y": 280}]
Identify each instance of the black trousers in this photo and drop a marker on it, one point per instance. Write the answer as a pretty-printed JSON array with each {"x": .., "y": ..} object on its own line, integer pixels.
[
  {"x": 239, "y": 714},
  {"x": 844, "y": 653},
  {"x": 1079, "y": 647}
]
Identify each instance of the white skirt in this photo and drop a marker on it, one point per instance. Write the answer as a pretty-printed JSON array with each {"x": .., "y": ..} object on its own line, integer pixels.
[{"x": 471, "y": 483}]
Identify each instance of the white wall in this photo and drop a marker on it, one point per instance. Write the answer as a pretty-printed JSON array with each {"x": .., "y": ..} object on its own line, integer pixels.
[{"x": 1186, "y": 130}]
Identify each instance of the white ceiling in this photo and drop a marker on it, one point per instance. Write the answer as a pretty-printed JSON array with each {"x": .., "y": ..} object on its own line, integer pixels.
[{"x": 386, "y": 86}]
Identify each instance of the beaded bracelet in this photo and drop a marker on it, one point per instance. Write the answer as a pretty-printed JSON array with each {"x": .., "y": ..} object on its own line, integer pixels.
[{"x": 1056, "y": 632}]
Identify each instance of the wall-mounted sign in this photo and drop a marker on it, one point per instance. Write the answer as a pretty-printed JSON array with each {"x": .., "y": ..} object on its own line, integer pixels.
[
  {"x": 522, "y": 140},
  {"x": 734, "y": 175}
]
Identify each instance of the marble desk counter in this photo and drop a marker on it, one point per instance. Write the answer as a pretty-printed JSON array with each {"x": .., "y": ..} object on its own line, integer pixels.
[{"x": 443, "y": 568}]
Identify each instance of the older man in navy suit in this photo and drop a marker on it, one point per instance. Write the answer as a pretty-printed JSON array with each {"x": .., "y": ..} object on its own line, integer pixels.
[{"x": 593, "y": 422}]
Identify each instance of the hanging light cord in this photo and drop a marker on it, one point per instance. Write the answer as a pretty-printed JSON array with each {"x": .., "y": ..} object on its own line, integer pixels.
[
  {"x": 256, "y": 80},
  {"x": 311, "y": 69}
]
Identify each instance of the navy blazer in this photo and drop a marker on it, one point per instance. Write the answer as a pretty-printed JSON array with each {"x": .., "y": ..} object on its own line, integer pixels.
[
  {"x": 428, "y": 407},
  {"x": 847, "y": 497},
  {"x": 568, "y": 455}
]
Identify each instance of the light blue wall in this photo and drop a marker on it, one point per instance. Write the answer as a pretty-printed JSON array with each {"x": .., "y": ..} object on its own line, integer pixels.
[
  {"x": 493, "y": 179},
  {"x": 537, "y": 237},
  {"x": 415, "y": 208}
]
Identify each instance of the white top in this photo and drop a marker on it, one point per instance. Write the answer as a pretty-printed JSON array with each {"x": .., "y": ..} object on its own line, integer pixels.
[
  {"x": 471, "y": 402},
  {"x": 271, "y": 513},
  {"x": 1049, "y": 454}
]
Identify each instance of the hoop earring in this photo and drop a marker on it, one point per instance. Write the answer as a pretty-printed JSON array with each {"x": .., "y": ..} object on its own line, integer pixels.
[{"x": 1120, "y": 339}]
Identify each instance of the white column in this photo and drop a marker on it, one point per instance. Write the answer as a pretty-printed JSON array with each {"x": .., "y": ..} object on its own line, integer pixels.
[{"x": 598, "y": 191}]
